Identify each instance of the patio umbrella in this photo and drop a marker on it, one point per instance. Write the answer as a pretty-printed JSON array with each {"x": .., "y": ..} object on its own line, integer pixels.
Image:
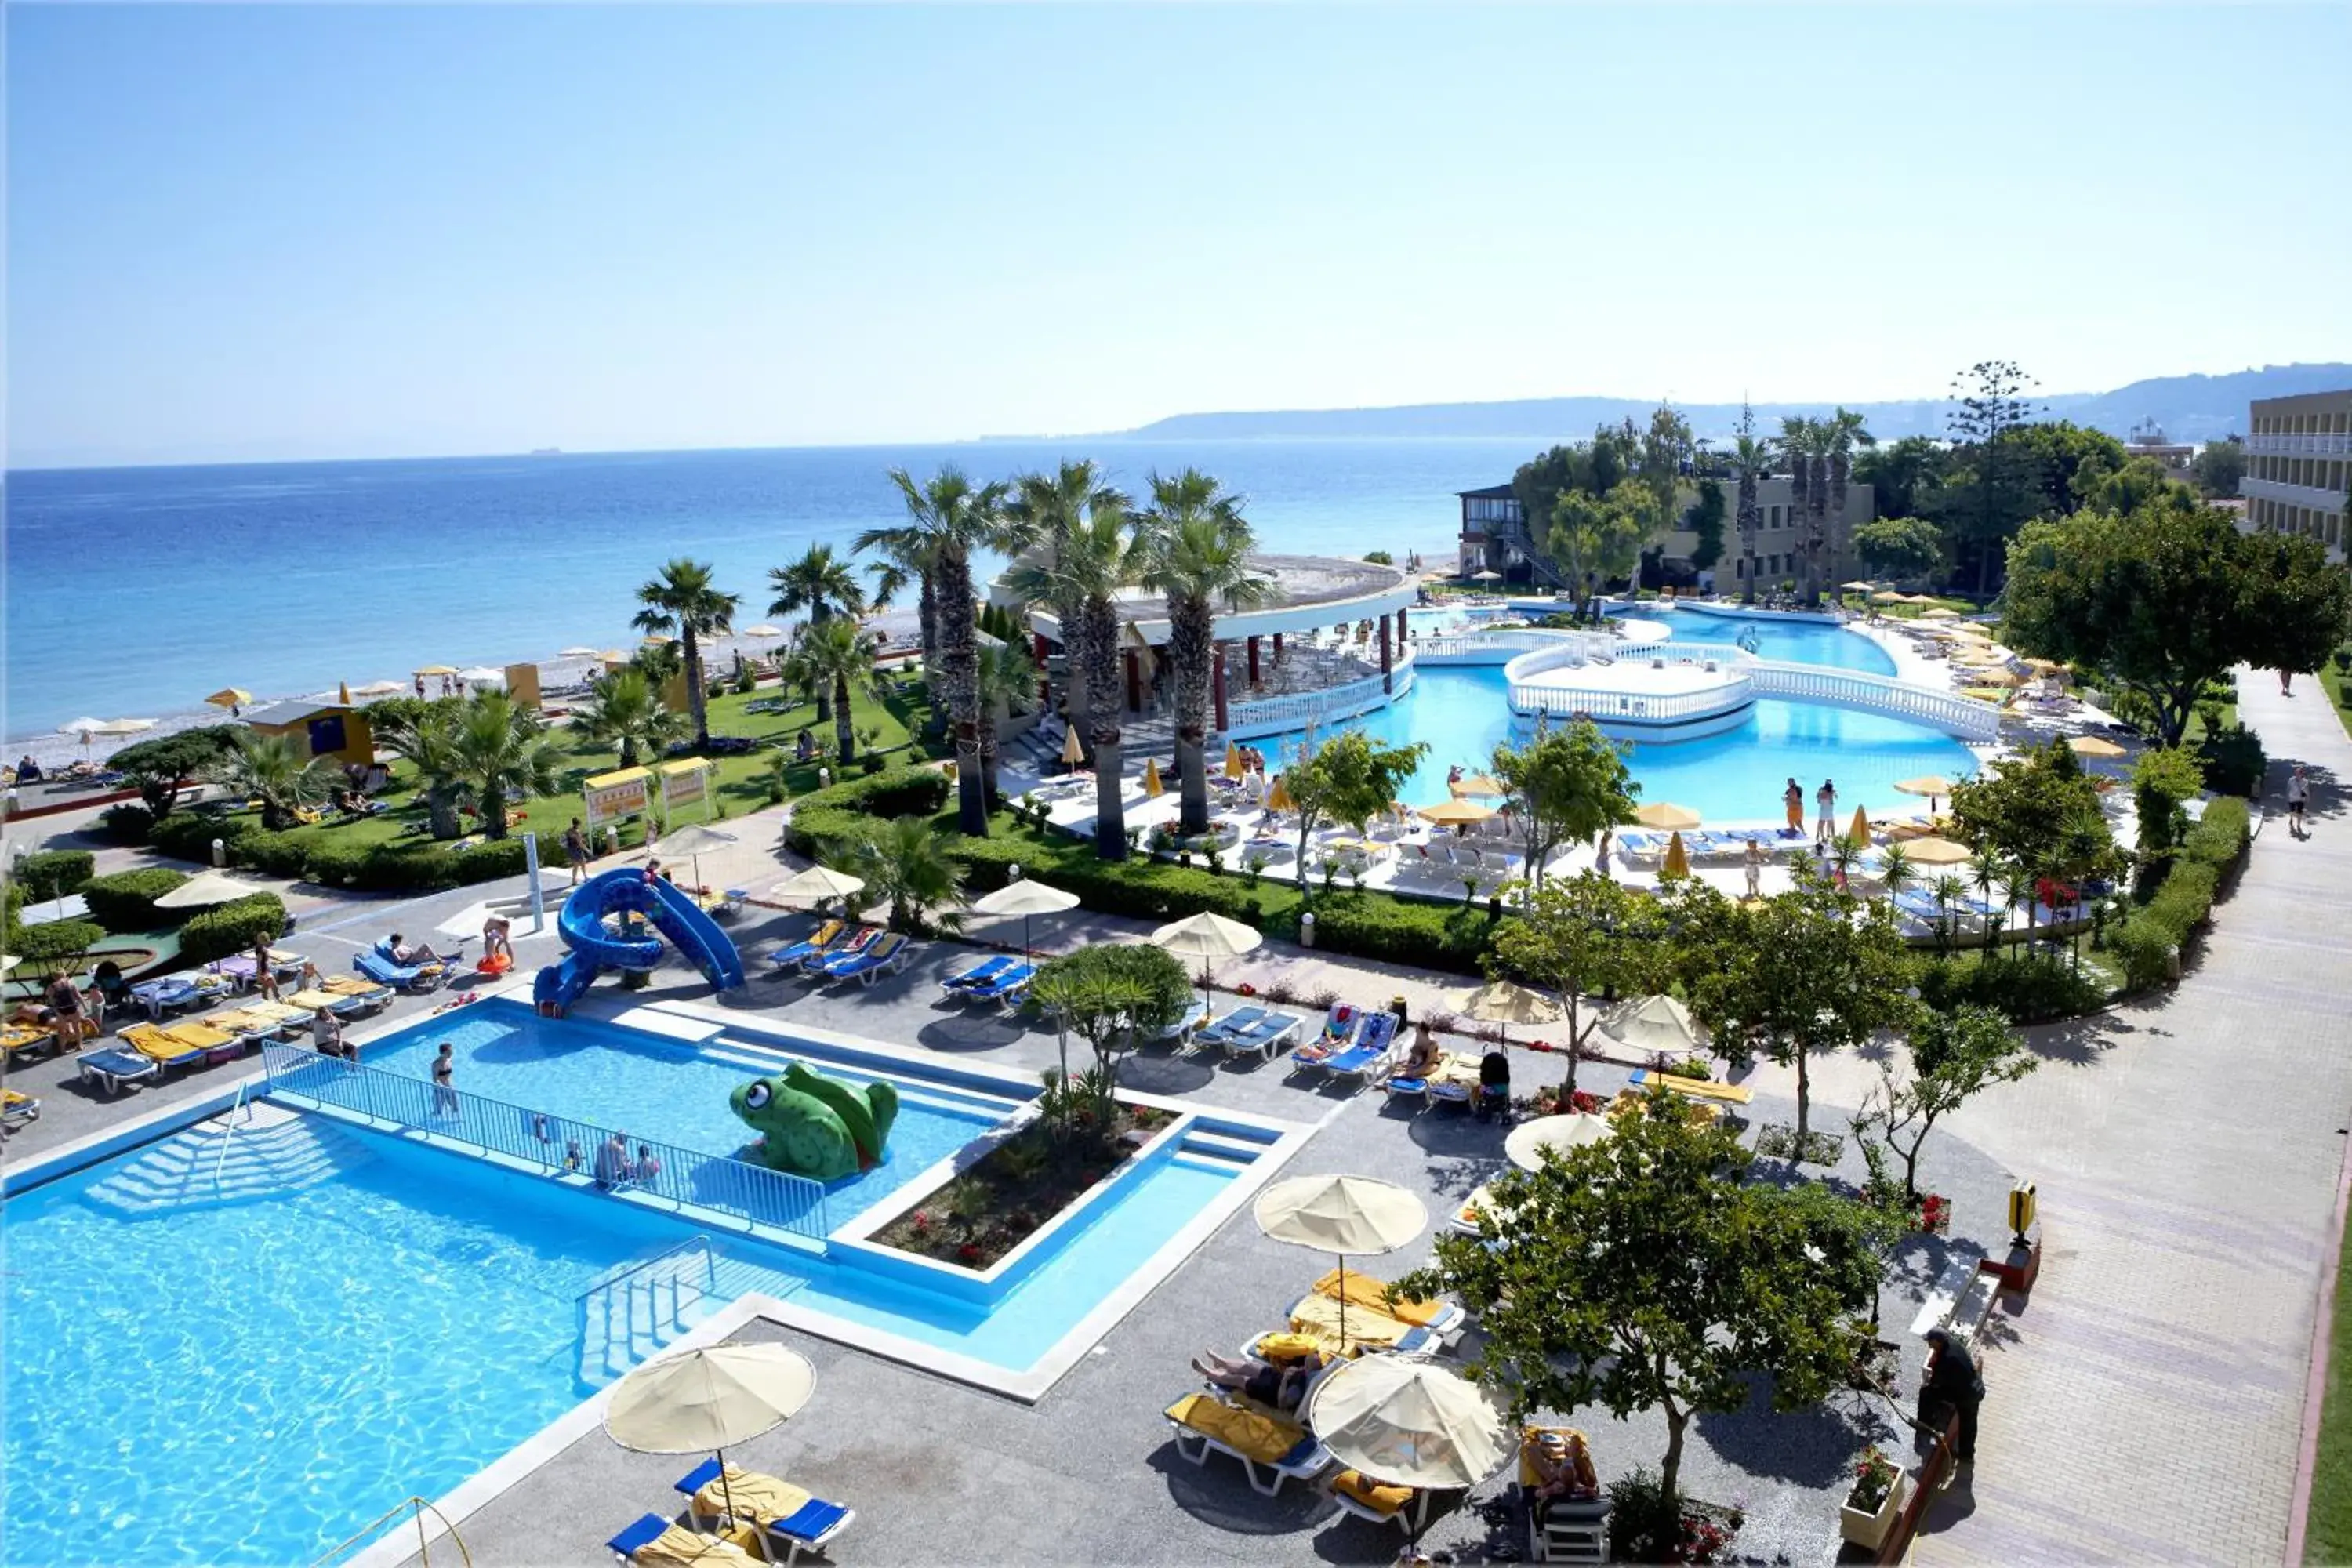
[
  {"x": 816, "y": 885},
  {"x": 1857, "y": 587},
  {"x": 1455, "y": 813},
  {"x": 1152, "y": 788},
  {"x": 1477, "y": 785},
  {"x": 1485, "y": 576},
  {"x": 1938, "y": 613},
  {"x": 1677, "y": 862},
  {"x": 707, "y": 1399},
  {"x": 122, "y": 726},
  {"x": 612, "y": 656},
  {"x": 1025, "y": 897},
  {"x": 1341, "y": 1214},
  {"x": 1654, "y": 1026},
  {"x": 343, "y": 694},
  {"x": 1888, "y": 596},
  {"x": 1234, "y": 768},
  {"x": 579, "y": 651},
  {"x": 693, "y": 841},
  {"x": 435, "y": 669},
  {"x": 1528, "y": 1140},
  {"x": 1935, "y": 852},
  {"x": 1277, "y": 798},
  {"x": 204, "y": 888},
  {"x": 482, "y": 673},
  {"x": 1859, "y": 828},
  {"x": 763, "y": 631},
  {"x": 1406, "y": 1421},
  {"x": 1985, "y": 693},
  {"x": 230, "y": 697},
  {"x": 1666, "y": 815},
  {"x": 2093, "y": 746},
  {"x": 1968, "y": 629},
  {"x": 83, "y": 728},
  {"x": 1206, "y": 936},
  {"x": 1074, "y": 751},
  {"x": 2045, "y": 666},
  {"x": 378, "y": 688},
  {"x": 1507, "y": 1002},
  {"x": 1933, "y": 786}
]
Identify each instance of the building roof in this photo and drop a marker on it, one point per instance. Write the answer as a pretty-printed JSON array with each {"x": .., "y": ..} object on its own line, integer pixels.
[
  {"x": 1492, "y": 492},
  {"x": 293, "y": 712}
]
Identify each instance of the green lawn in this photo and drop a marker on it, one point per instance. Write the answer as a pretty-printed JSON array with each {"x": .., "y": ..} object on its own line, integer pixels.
[
  {"x": 2339, "y": 692},
  {"x": 2327, "y": 1536}
]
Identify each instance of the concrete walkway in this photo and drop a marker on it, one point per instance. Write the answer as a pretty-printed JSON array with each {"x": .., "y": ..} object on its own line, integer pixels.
[{"x": 2146, "y": 1405}]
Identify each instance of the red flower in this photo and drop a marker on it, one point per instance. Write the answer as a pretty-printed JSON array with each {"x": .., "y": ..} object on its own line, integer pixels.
[
  {"x": 1244, "y": 989},
  {"x": 969, "y": 1252}
]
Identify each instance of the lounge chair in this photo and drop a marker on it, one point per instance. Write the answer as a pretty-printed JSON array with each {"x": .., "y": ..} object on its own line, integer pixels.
[
  {"x": 250, "y": 1028},
  {"x": 1263, "y": 1036},
  {"x": 980, "y": 974},
  {"x": 1009, "y": 985},
  {"x": 335, "y": 1002},
  {"x": 1443, "y": 1319},
  {"x": 1271, "y": 1452},
  {"x": 1234, "y": 1022},
  {"x": 886, "y": 953},
  {"x": 1183, "y": 1023},
  {"x": 168, "y": 1049},
  {"x": 240, "y": 971},
  {"x": 378, "y": 965},
  {"x": 27, "y": 1041},
  {"x": 818, "y": 942},
  {"x": 843, "y": 949},
  {"x": 288, "y": 1018},
  {"x": 168, "y": 994},
  {"x": 1367, "y": 1329},
  {"x": 1374, "y": 1036},
  {"x": 114, "y": 1068},
  {"x": 657, "y": 1543},
  {"x": 16, "y": 1110},
  {"x": 371, "y": 994},
  {"x": 1568, "y": 1529},
  {"x": 786, "y": 1514},
  {"x": 1375, "y": 1502}
]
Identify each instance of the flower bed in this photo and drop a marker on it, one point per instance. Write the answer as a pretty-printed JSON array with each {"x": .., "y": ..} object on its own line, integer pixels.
[
  {"x": 1779, "y": 1142},
  {"x": 1018, "y": 1186}
]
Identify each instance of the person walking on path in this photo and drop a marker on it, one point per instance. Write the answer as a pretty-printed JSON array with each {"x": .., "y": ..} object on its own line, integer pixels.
[
  {"x": 1793, "y": 797},
  {"x": 2286, "y": 683},
  {"x": 1952, "y": 1386},
  {"x": 445, "y": 1087},
  {"x": 1825, "y": 813},
  {"x": 575, "y": 851},
  {"x": 2298, "y": 796},
  {"x": 1755, "y": 870}
]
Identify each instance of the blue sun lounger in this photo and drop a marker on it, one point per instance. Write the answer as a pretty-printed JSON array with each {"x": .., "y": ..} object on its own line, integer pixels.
[
  {"x": 806, "y": 1529},
  {"x": 1239, "y": 1019},
  {"x": 379, "y": 966},
  {"x": 113, "y": 1068},
  {"x": 1005, "y": 985},
  {"x": 1263, "y": 1036},
  {"x": 1373, "y": 1037},
  {"x": 884, "y": 953},
  {"x": 980, "y": 975}
]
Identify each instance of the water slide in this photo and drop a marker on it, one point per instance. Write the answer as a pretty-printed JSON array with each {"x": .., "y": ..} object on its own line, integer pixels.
[{"x": 595, "y": 948}]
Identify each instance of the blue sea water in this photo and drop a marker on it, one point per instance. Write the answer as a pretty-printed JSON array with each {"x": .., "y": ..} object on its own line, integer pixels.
[{"x": 134, "y": 592}]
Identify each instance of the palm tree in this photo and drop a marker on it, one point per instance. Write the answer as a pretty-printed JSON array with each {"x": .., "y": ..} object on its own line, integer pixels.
[
  {"x": 1896, "y": 870},
  {"x": 1045, "y": 515},
  {"x": 1752, "y": 458},
  {"x": 906, "y": 864},
  {"x": 1199, "y": 560},
  {"x": 822, "y": 584},
  {"x": 1104, "y": 555},
  {"x": 1844, "y": 431},
  {"x": 1948, "y": 889},
  {"x": 500, "y": 752},
  {"x": 276, "y": 770},
  {"x": 682, "y": 603},
  {"x": 626, "y": 713},
  {"x": 906, "y": 557},
  {"x": 1991, "y": 870},
  {"x": 948, "y": 518},
  {"x": 1008, "y": 685},
  {"x": 427, "y": 741},
  {"x": 834, "y": 658}
]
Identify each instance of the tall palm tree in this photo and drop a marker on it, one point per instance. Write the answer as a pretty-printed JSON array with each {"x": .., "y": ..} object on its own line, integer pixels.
[
  {"x": 1045, "y": 513},
  {"x": 836, "y": 659},
  {"x": 625, "y": 711},
  {"x": 1751, "y": 457},
  {"x": 1105, "y": 555},
  {"x": 682, "y": 603},
  {"x": 1950, "y": 890},
  {"x": 906, "y": 865},
  {"x": 426, "y": 740},
  {"x": 279, "y": 771},
  {"x": 1199, "y": 560},
  {"x": 500, "y": 752},
  {"x": 1796, "y": 445},
  {"x": 820, "y": 583},
  {"x": 1008, "y": 685},
  {"x": 1846, "y": 430},
  {"x": 947, "y": 518}
]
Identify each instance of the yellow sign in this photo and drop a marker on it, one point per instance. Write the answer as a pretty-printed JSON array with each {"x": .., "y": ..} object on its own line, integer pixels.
[
  {"x": 608, "y": 797},
  {"x": 685, "y": 781}
]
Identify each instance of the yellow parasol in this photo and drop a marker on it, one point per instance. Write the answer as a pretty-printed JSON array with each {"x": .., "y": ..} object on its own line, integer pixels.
[
  {"x": 1073, "y": 751},
  {"x": 1859, "y": 830},
  {"x": 1935, "y": 852},
  {"x": 435, "y": 669},
  {"x": 1277, "y": 798},
  {"x": 1476, "y": 784},
  {"x": 343, "y": 693},
  {"x": 1938, "y": 613},
  {"x": 2092, "y": 746},
  {"x": 1889, "y": 597},
  {"x": 1664, "y": 814},
  {"x": 2045, "y": 666},
  {"x": 1455, "y": 813},
  {"x": 1985, "y": 693},
  {"x": 1677, "y": 860},
  {"x": 230, "y": 697},
  {"x": 1152, "y": 787},
  {"x": 1932, "y": 785},
  {"x": 1234, "y": 768}
]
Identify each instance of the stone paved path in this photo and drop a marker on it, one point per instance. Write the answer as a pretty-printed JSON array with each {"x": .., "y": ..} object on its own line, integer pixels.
[{"x": 2146, "y": 1403}]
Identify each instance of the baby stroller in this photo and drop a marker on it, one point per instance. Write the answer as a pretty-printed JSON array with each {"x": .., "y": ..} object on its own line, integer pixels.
[{"x": 1494, "y": 1087}]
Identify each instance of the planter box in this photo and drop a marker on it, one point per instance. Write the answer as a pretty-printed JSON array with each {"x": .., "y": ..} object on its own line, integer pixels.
[{"x": 1869, "y": 1531}]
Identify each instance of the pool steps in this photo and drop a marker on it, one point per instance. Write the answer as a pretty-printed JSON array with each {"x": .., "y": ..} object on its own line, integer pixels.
[{"x": 218, "y": 1163}]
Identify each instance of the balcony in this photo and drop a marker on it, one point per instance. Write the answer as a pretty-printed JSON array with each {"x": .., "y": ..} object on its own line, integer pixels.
[{"x": 2335, "y": 445}]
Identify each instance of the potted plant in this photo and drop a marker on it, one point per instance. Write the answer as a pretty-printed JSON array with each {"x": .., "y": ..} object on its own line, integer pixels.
[{"x": 1869, "y": 1511}]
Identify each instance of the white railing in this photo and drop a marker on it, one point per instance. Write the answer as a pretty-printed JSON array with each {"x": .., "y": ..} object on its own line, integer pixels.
[
  {"x": 2299, "y": 445},
  {"x": 1482, "y": 647},
  {"x": 1964, "y": 717},
  {"x": 1301, "y": 710},
  {"x": 1617, "y": 705}
]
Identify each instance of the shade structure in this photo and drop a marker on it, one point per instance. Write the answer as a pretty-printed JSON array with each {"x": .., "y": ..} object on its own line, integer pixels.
[
  {"x": 580, "y": 650},
  {"x": 1666, "y": 815},
  {"x": 378, "y": 688},
  {"x": 205, "y": 889},
  {"x": 1025, "y": 898},
  {"x": 1477, "y": 785},
  {"x": 1234, "y": 768},
  {"x": 1074, "y": 751},
  {"x": 708, "y": 1398},
  {"x": 1206, "y": 936},
  {"x": 1859, "y": 828},
  {"x": 2093, "y": 746},
  {"x": 1935, "y": 852},
  {"x": 1485, "y": 576},
  {"x": 816, "y": 885},
  {"x": 1963, "y": 629},
  {"x": 481, "y": 673},
  {"x": 1409, "y": 1422},
  {"x": 656, "y": 642},
  {"x": 694, "y": 841},
  {"x": 122, "y": 726},
  {"x": 1277, "y": 796},
  {"x": 1341, "y": 1214},
  {"x": 1654, "y": 1026},
  {"x": 1937, "y": 612},
  {"x": 1888, "y": 596},
  {"x": 1932, "y": 785},
  {"x": 435, "y": 669},
  {"x": 1974, "y": 655},
  {"x": 81, "y": 727},
  {"x": 1152, "y": 788},
  {"x": 2045, "y": 666},
  {"x": 230, "y": 697},
  {"x": 1505, "y": 1002},
  {"x": 343, "y": 694},
  {"x": 1528, "y": 1140},
  {"x": 612, "y": 656},
  {"x": 763, "y": 631},
  {"x": 1678, "y": 860},
  {"x": 1986, "y": 693},
  {"x": 1857, "y": 586},
  {"x": 1455, "y": 813}
]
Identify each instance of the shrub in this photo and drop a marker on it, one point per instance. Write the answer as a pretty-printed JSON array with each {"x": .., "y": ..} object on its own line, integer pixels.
[
  {"x": 838, "y": 813},
  {"x": 2025, "y": 991},
  {"x": 54, "y": 873},
  {"x": 2141, "y": 947},
  {"x": 2233, "y": 759},
  {"x": 125, "y": 901},
  {"x": 2181, "y": 902},
  {"x": 126, "y": 821},
  {"x": 1432, "y": 936},
  {"x": 272, "y": 854},
  {"x": 232, "y": 927},
  {"x": 2220, "y": 835},
  {"x": 189, "y": 835},
  {"x": 55, "y": 947}
]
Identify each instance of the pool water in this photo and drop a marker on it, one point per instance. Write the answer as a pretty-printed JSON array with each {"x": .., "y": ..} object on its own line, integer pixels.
[{"x": 666, "y": 1090}]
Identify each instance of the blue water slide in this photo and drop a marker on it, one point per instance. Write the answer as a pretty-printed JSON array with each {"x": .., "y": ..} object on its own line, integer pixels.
[{"x": 594, "y": 949}]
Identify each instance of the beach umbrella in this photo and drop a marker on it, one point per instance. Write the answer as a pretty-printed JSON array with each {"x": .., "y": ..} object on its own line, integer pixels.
[
  {"x": 1859, "y": 829},
  {"x": 343, "y": 694},
  {"x": 1507, "y": 1002},
  {"x": 613, "y": 655},
  {"x": 230, "y": 697},
  {"x": 83, "y": 728},
  {"x": 1206, "y": 937},
  {"x": 2093, "y": 746},
  {"x": 1477, "y": 784},
  {"x": 378, "y": 688},
  {"x": 2045, "y": 666},
  {"x": 1025, "y": 897},
  {"x": 1485, "y": 576},
  {"x": 579, "y": 651},
  {"x": 1857, "y": 587},
  {"x": 1528, "y": 1140},
  {"x": 204, "y": 888},
  {"x": 1455, "y": 813},
  {"x": 1406, "y": 1421},
  {"x": 122, "y": 726},
  {"x": 1345, "y": 1216},
  {"x": 482, "y": 673},
  {"x": 1074, "y": 751},
  {"x": 1936, "y": 613},
  {"x": 1152, "y": 787},
  {"x": 709, "y": 1398},
  {"x": 1234, "y": 768},
  {"x": 816, "y": 885},
  {"x": 1278, "y": 797},
  {"x": 763, "y": 631},
  {"x": 1665, "y": 817},
  {"x": 1935, "y": 852},
  {"x": 1968, "y": 629},
  {"x": 435, "y": 669},
  {"x": 1933, "y": 786},
  {"x": 1985, "y": 693},
  {"x": 1677, "y": 862},
  {"x": 693, "y": 841},
  {"x": 1888, "y": 596},
  {"x": 1654, "y": 1026}
]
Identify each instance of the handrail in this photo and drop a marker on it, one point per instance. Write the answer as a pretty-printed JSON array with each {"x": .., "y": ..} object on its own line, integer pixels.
[
  {"x": 229, "y": 1132},
  {"x": 665, "y": 1254},
  {"x": 423, "y": 1543}
]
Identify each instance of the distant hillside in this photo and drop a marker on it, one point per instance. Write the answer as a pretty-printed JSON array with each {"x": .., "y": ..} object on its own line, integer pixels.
[{"x": 2189, "y": 408}]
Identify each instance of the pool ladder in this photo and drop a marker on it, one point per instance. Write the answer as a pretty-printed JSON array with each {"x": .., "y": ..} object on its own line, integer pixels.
[
  {"x": 228, "y": 1132},
  {"x": 623, "y": 1289},
  {"x": 417, "y": 1506}
]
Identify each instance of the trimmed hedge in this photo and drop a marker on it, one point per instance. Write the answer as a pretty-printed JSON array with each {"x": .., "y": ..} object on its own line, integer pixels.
[
  {"x": 839, "y": 813},
  {"x": 125, "y": 901},
  {"x": 397, "y": 866},
  {"x": 2233, "y": 761},
  {"x": 2024, "y": 991},
  {"x": 1432, "y": 936},
  {"x": 232, "y": 927},
  {"x": 54, "y": 873},
  {"x": 126, "y": 821},
  {"x": 2181, "y": 901},
  {"x": 51, "y": 946}
]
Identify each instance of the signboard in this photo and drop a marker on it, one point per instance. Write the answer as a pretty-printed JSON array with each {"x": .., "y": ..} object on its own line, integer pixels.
[
  {"x": 608, "y": 797},
  {"x": 685, "y": 782}
]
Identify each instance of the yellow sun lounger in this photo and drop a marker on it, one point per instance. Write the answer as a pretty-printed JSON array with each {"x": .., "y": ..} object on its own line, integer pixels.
[
  {"x": 1270, "y": 1451},
  {"x": 162, "y": 1047},
  {"x": 1364, "y": 1290},
  {"x": 1367, "y": 1329},
  {"x": 1374, "y": 1502}
]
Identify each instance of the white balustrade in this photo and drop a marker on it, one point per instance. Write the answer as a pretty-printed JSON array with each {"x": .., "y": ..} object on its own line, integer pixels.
[{"x": 1301, "y": 710}]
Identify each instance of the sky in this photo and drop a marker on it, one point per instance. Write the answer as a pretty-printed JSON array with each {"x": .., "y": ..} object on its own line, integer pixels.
[{"x": 295, "y": 232}]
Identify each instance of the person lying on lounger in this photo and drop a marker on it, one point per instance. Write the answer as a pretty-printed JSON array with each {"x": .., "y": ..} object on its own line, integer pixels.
[
  {"x": 1563, "y": 1468},
  {"x": 1280, "y": 1387},
  {"x": 405, "y": 954},
  {"x": 1424, "y": 1058}
]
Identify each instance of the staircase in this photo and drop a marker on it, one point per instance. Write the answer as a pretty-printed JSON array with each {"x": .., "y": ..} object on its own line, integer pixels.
[
  {"x": 637, "y": 1309},
  {"x": 267, "y": 1153}
]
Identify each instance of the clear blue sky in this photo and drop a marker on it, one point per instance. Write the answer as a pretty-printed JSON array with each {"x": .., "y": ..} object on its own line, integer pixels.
[{"x": 297, "y": 231}]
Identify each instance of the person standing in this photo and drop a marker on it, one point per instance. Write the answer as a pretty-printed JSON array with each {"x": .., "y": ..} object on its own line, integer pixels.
[
  {"x": 2286, "y": 683},
  {"x": 1601, "y": 854},
  {"x": 1825, "y": 813},
  {"x": 2298, "y": 796},
  {"x": 1755, "y": 863},
  {"x": 1953, "y": 1384},
  {"x": 1793, "y": 799},
  {"x": 445, "y": 1087},
  {"x": 265, "y": 973},
  {"x": 575, "y": 851}
]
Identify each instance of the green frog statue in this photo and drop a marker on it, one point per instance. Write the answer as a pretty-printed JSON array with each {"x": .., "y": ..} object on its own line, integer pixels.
[{"x": 811, "y": 1126}]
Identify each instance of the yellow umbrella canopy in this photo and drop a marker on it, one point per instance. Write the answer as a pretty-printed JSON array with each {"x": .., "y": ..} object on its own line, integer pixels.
[
  {"x": 1507, "y": 1002},
  {"x": 1889, "y": 597},
  {"x": 1278, "y": 797},
  {"x": 1455, "y": 813},
  {"x": 2045, "y": 666},
  {"x": 1152, "y": 784},
  {"x": 2093, "y": 746},
  {"x": 1074, "y": 751},
  {"x": 1477, "y": 784},
  {"x": 435, "y": 669},
  {"x": 1937, "y": 613},
  {"x": 1234, "y": 768},
  {"x": 1859, "y": 829},
  {"x": 1929, "y": 785},
  {"x": 230, "y": 697},
  {"x": 1935, "y": 852},
  {"x": 1985, "y": 693},
  {"x": 1664, "y": 814},
  {"x": 1677, "y": 862}
]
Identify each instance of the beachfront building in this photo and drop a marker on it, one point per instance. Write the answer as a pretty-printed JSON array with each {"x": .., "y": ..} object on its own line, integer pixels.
[
  {"x": 2148, "y": 440},
  {"x": 1335, "y": 643},
  {"x": 1495, "y": 537},
  {"x": 333, "y": 730},
  {"x": 2299, "y": 464}
]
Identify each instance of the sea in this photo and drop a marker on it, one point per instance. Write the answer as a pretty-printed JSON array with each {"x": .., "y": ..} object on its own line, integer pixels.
[{"x": 133, "y": 593}]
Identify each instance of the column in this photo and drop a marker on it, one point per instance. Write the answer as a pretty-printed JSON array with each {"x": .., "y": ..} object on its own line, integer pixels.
[
  {"x": 1219, "y": 666},
  {"x": 1134, "y": 683},
  {"x": 1277, "y": 648},
  {"x": 1252, "y": 660},
  {"x": 1387, "y": 680},
  {"x": 1402, "y": 638},
  {"x": 1045, "y": 682}
]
